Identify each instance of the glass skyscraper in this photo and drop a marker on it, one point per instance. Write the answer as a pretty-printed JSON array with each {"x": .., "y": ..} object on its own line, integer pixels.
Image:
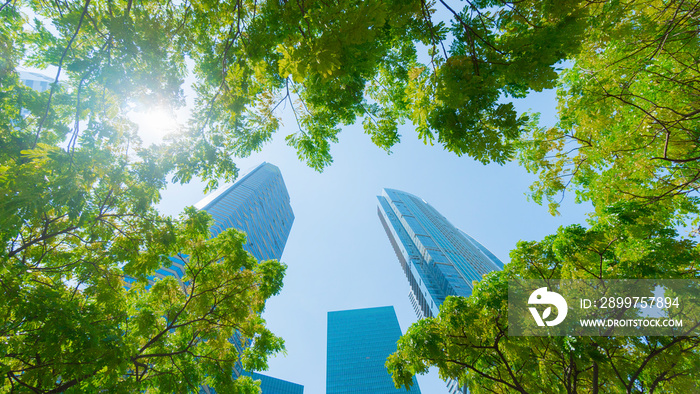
[
  {"x": 438, "y": 259},
  {"x": 359, "y": 342},
  {"x": 36, "y": 81},
  {"x": 270, "y": 385},
  {"x": 257, "y": 204}
]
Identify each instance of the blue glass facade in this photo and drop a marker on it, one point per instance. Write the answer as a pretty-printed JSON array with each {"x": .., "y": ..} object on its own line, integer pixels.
[
  {"x": 359, "y": 342},
  {"x": 438, "y": 259},
  {"x": 270, "y": 385},
  {"x": 257, "y": 204}
]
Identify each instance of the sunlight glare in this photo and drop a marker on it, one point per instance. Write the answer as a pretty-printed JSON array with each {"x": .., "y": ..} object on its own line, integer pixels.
[{"x": 154, "y": 124}]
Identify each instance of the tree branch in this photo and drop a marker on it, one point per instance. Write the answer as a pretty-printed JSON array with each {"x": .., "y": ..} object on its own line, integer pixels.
[{"x": 58, "y": 73}]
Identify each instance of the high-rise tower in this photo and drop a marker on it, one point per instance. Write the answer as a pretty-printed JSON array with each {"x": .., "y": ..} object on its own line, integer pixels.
[
  {"x": 257, "y": 204},
  {"x": 438, "y": 259},
  {"x": 36, "y": 81},
  {"x": 359, "y": 342}
]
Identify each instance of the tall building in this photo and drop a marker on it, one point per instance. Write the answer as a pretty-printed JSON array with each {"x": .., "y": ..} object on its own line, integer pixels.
[
  {"x": 36, "y": 81},
  {"x": 270, "y": 385},
  {"x": 359, "y": 342},
  {"x": 257, "y": 204},
  {"x": 438, "y": 259}
]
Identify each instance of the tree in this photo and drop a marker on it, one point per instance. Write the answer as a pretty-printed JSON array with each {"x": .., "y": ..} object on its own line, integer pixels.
[
  {"x": 77, "y": 214},
  {"x": 333, "y": 63},
  {"x": 469, "y": 338},
  {"x": 627, "y": 141},
  {"x": 78, "y": 187},
  {"x": 74, "y": 223},
  {"x": 628, "y": 111},
  {"x": 336, "y": 62}
]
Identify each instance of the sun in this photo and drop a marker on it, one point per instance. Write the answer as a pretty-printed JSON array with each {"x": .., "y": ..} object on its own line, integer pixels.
[{"x": 154, "y": 124}]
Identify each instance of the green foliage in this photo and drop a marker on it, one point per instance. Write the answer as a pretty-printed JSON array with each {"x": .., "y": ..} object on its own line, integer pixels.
[
  {"x": 468, "y": 340},
  {"x": 77, "y": 195},
  {"x": 332, "y": 63},
  {"x": 628, "y": 111},
  {"x": 627, "y": 141},
  {"x": 77, "y": 187},
  {"x": 73, "y": 224}
]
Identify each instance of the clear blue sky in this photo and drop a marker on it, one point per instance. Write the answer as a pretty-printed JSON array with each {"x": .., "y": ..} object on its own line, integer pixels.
[{"x": 338, "y": 254}]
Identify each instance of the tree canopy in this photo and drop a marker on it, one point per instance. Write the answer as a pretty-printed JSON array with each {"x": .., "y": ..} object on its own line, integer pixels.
[
  {"x": 77, "y": 216},
  {"x": 626, "y": 140},
  {"x": 74, "y": 223},
  {"x": 78, "y": 187},
  {"x": 332, "y": 63},
  {"x": 628, "y": 111}
]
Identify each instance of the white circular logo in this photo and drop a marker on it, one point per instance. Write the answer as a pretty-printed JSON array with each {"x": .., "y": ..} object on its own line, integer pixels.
[{"x": 543, "y": 297}]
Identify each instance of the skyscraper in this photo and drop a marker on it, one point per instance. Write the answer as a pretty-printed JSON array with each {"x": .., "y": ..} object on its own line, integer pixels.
[
  {"x": 359, "y": 342},
  {"x": 257, "y": 204},
  {"x": 438, "y": 259},
  {"x": 270, "y": 385},
  {"x": 36, "y": 81}
]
